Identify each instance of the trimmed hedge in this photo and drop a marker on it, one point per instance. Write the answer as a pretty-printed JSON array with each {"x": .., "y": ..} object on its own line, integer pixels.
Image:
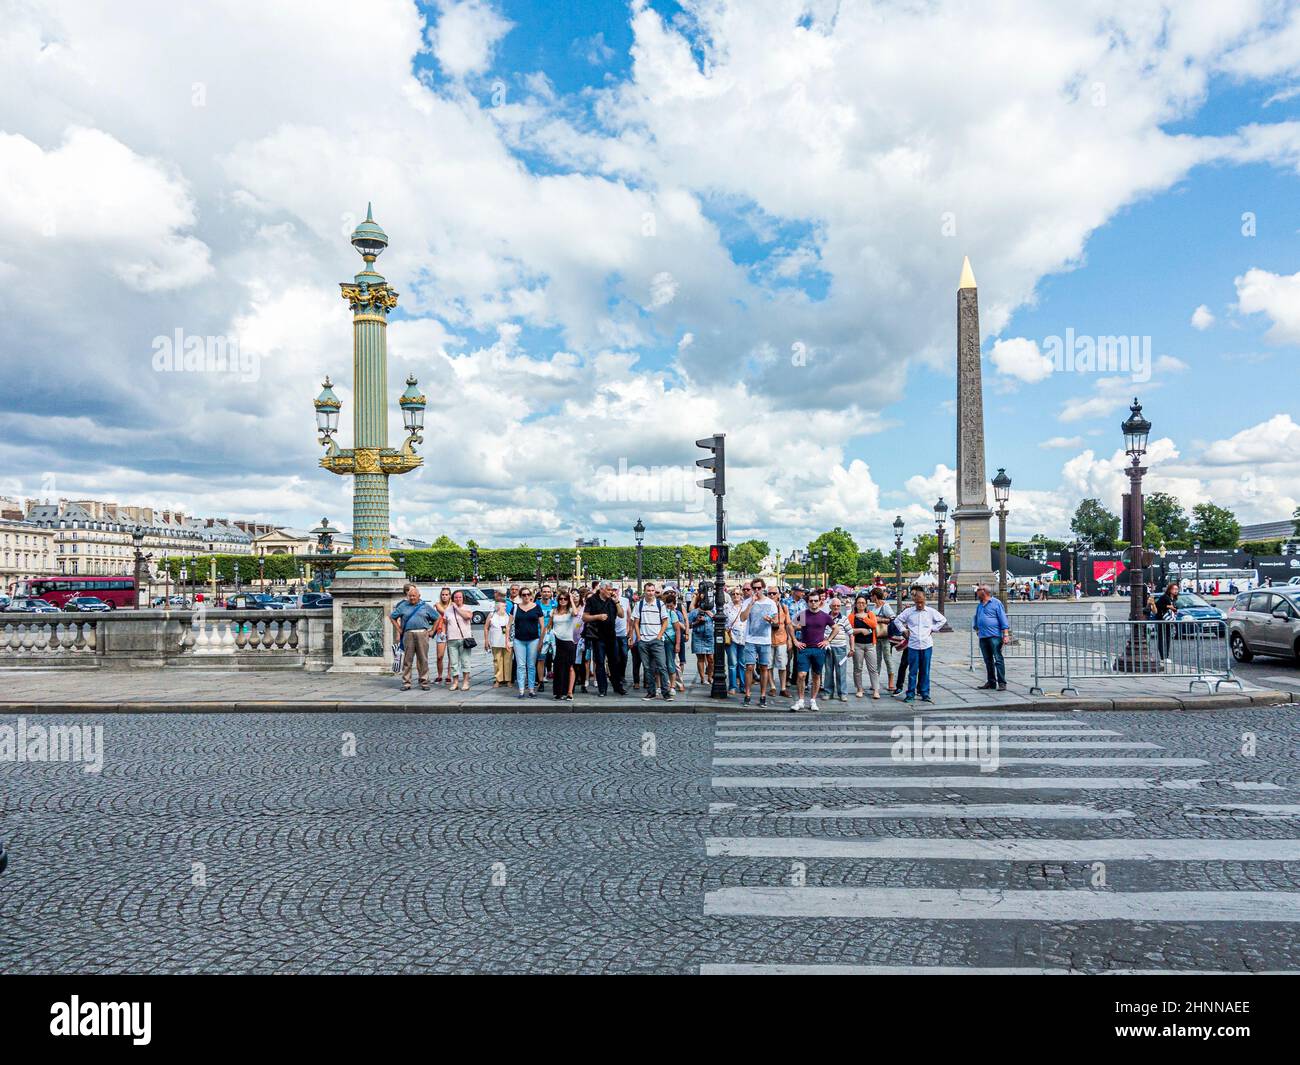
[{"x": 494, "y": 564}]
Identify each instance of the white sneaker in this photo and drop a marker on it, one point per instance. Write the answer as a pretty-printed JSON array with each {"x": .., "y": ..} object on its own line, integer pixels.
[
  {"x": 798, "y": 705},
  {"x": 813, "y": 706}
]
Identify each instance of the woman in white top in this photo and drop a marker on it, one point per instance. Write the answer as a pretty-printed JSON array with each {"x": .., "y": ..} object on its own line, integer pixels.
[
  {"x": 735, "y": 649},
  {"x": 495, "y": 630},
  {"x": 562, "y": 624}
]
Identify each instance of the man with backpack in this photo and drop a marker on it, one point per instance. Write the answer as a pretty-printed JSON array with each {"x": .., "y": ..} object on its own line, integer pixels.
[{"x": 650, "y": 622}]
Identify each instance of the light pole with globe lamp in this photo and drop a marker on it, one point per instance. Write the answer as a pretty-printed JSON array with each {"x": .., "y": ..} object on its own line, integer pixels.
[
  {"x": 898, "y": 558},
  {"x": 639, "y": 530},
  {"x": 1002, "y": 493}
]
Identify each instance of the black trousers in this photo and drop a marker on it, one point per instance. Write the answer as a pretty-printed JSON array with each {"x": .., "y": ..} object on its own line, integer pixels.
[
  {"x": 991, "y": 649},
  {"x": 564, "y": 656}
]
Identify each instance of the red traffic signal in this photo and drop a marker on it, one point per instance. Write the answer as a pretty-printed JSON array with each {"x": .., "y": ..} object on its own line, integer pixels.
[{"x": 717, "y": 553}]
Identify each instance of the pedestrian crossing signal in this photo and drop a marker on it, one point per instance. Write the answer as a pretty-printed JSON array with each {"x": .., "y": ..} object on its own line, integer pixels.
[{"x": 717, "y": 554}]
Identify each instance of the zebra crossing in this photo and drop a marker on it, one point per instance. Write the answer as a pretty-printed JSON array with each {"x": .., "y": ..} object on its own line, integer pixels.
[{"x": 933, "y": 804}]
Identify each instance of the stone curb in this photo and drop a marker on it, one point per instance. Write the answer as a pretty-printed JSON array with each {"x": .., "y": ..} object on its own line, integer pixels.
[{"x": 1221, "y": 701}]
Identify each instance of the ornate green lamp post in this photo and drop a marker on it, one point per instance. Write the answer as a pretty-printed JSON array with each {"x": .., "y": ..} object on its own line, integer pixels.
[{"x": 363, "y": 588}]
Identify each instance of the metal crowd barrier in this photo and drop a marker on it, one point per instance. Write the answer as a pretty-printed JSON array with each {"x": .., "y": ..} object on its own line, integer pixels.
[
  {"x": 1070, "y": 650},
  {"x": 1021, "y": 644}
]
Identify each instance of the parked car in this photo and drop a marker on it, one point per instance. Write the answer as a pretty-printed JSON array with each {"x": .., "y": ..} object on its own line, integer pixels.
[
  {"x": 480, "y": 602},
  {"x": 1265, "y": 622},
  {"x": 4, "y": 602},
  {"x": 317, "y": 601},
  {"x": 87, "y": 604},
  {"x": 253, "y": 601},
  {"x": 31, "y": 606},
  {"x": 1194, "y": 613}
]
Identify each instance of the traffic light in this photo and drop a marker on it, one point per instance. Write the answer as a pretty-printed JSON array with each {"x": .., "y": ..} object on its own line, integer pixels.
[
  {"x": 716, "y": 462},
  {"x": 717, "y": 553}
]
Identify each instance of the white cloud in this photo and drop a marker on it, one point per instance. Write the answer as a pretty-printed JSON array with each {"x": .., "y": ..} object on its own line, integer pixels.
[
  {"x": 1062, "y": 442},
  {"x": 1277, "y": 297},
  {"x": 185, "y": 194},
  {"x": 1202, "y": 318},
  {"x": 465, "y": 36},
  {"x": 1020, "y": 358}
]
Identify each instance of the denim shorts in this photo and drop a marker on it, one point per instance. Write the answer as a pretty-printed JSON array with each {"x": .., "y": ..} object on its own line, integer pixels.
[
  {"x": 756, "y": 654},
  {"x": 812, "y": 659}
]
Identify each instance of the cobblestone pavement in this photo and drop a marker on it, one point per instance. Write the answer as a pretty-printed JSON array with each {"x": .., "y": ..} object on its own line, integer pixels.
[{"x": 630, "y": 842}]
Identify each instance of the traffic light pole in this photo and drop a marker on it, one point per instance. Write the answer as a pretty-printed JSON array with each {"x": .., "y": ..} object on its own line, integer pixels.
[{"x": 718, "y": 689}]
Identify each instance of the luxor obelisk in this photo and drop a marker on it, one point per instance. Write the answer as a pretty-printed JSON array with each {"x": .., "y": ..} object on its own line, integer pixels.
[{"x": 972, "y": 558}]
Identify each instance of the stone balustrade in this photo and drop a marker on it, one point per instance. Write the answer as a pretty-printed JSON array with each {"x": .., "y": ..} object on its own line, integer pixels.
[{"x": 204, "y": 639}]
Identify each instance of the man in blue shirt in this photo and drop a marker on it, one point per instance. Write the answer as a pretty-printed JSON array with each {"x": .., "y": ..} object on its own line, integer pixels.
[
  {"x": 992, "y": 627},
  {"x": 413, "y": 618}
]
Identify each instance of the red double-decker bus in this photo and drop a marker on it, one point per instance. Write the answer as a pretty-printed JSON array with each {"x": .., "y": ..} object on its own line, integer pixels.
[{"x": 115, "y": 591}]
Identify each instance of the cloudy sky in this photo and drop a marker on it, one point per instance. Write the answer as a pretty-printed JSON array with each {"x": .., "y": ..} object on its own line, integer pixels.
[{"x": 624, "y": 226}]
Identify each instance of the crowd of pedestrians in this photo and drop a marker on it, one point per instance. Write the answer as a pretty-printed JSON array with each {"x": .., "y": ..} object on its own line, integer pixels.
[{"x": 796, "y": 644}]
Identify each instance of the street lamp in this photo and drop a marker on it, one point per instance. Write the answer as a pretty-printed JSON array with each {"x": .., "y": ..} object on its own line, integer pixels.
[
  {"x": 940, "y": 523},
  {"x": 370, "y": 461},
  {"x": 826, "y": 575},
  {"x": 212, "y": 568},
  {"x": 678, "y": 555},
  {"x": 141, "y": 559},
  {"x": 556, "y": 558},
  {"x": 898, "y": 557},
  {"x": 194, "y": 577},
  {"x": 639, "y": 530},
  {"x": 537, "y": 558},
  {"x": 1136, "y": 429},
  {"x": 261, "y": 573},
  {"x": 1196, "y": 546},
  {"x": 1002, "y": 493}
]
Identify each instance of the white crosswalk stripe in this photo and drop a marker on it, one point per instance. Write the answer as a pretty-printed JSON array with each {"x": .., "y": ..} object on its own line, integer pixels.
[
  {"x": 1018, "y": 850},
  {"x": 778, "y": 969},
  {"x": 930, "y": 810},
  {"x": 885, "y": 745},
  {"x": 1047, "y": 740},
  {"x": 867, "y": 760},
  {"x": 887, "y": 732},
  {"x": 984, "y": 904}
]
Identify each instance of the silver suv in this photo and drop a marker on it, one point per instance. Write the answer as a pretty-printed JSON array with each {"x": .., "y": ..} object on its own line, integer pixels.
[{"x": 1265, "y": 622}]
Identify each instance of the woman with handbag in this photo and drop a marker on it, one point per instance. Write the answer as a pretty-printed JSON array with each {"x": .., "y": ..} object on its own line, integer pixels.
[
  {"x": 884, "y": 649},
  {"x": 863, "y": 626},
  {"x": 458, "y": 631}
]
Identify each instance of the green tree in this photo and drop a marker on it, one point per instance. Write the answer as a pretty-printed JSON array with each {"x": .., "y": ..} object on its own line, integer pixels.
[
  {"x": 445, "y": 543},
  {"x": 841, "y": 555},
  {"x": 871, "y": 562},
  {"x": 747, "y": 556},
  {"x": 1165, "y": 518},
  {"x": 1095, "y": 523},
  {"x": 923, "y": 548},
  {"x": 1215, "y": 526},
  {"x": 1295, "y": 517}
]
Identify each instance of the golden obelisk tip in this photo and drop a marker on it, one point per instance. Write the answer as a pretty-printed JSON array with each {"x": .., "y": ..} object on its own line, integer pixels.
[{"x": 967, "y": 275}]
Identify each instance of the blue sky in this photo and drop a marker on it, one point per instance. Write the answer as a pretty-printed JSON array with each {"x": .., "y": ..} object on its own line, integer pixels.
[{"x": 620, "y": 226}]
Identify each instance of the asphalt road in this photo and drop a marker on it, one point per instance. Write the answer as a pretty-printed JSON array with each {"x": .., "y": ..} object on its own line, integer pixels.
[{"x": 655, "y": 843}]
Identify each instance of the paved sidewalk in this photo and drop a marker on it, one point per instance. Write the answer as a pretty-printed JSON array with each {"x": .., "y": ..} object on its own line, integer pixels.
[{"x": 954, "y": 686}]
